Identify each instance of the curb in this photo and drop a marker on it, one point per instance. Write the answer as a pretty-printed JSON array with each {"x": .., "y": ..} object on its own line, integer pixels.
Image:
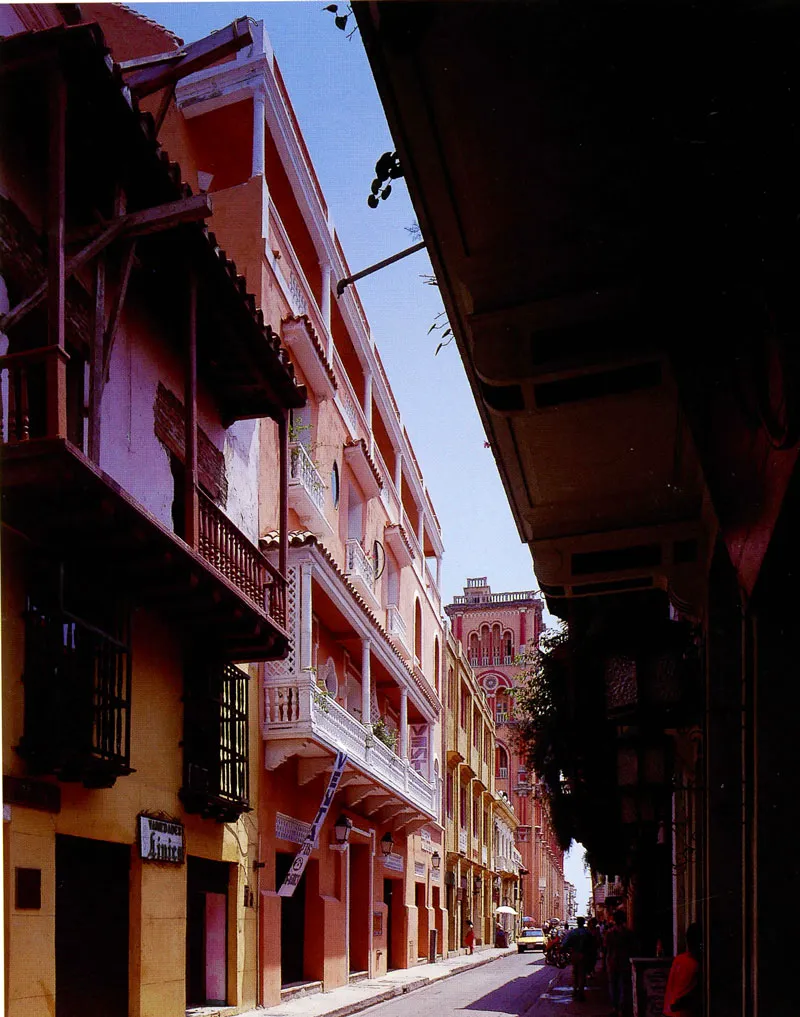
[{"x": 401, "y": 990}]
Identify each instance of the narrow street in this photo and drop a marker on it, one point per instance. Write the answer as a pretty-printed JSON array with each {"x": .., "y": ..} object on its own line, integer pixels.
[{"x": 509, "y": 986}]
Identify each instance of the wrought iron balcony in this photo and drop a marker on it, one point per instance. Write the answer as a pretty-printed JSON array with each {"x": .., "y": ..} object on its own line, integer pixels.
[{"x": 297, "y": 709}]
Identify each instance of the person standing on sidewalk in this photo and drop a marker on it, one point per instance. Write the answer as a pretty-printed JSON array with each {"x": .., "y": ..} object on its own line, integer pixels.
[
  {"x": 682, "y": 996},
  {"x": 469, "y": 938},
  {"x": 578, "y": 943},
  {"x": 618, "y": 947}
]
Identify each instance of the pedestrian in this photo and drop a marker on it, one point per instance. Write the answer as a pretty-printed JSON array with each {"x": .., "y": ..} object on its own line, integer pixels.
[
  {"x": 578, "y": 944},
  {"x": 596, "y": 944},
  {"x": 619, "y": 948},
  {"x": 469, "y": 938},
  {"x": 682, "y": 995}
]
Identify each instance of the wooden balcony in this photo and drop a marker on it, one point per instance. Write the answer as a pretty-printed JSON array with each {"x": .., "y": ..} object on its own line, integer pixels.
[{"x": 221, "y": 589}]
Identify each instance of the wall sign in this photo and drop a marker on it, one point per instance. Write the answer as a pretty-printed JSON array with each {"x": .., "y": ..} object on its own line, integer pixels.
[
  {"x": 377, "y": 923},
  {"x": 301, "y": 858},
  {"x": 393, "y": 862},
  {"x": 649, "y": 984},
  {"x": 161, "y": 840}
]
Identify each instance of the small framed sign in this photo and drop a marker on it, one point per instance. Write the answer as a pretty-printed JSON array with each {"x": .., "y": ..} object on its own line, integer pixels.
[
  {"x": 377, "y": 924},
  {"x": 161, "y": 840}
]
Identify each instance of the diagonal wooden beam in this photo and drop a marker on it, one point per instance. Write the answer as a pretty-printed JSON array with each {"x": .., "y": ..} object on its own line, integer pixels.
[
  {"x": 117, "y": 306},
  {"x": 136, "y": 224},
  {"x": 194, "y": 57}
]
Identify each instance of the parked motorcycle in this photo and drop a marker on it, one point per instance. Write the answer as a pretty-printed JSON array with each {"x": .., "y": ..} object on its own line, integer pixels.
[{"x": 556, "y": 955}]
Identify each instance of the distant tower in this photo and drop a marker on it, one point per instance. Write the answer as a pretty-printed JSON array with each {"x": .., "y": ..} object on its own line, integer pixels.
[{"x": 494, "y": 629}]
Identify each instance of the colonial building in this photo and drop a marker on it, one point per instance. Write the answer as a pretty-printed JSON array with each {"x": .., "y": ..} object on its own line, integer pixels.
[
  {"x": 137, "y": 376},
  {"x": 476, "y": 857},
  {"x": 495, "y": 629},
  {"x": 238, "y": 507}
]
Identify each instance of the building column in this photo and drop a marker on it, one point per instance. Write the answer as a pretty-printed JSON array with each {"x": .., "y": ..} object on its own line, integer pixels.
[
  {"x": 438, "y": 572},
  {"x": 258, "y": 133},
  {"x": 306, "y": 617},
  {"x": 421, "y": 539},
  {"x": 325, "y": 294},
  {"x": 366, "y": 684},
  {"x": 398, "y": 476},
  {"x": 403, "y": 724}
]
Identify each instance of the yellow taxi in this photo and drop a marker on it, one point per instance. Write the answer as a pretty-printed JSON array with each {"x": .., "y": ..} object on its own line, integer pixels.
[{"x": 530, "y": 939}]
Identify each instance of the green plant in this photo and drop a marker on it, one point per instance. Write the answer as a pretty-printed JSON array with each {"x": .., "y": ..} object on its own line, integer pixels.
[{"x": 385, "y": 734}]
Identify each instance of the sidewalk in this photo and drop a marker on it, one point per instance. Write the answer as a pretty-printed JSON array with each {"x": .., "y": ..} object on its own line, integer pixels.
[
  {"x": 557, "y": 998},
  {"x": 350, "y": 999}
]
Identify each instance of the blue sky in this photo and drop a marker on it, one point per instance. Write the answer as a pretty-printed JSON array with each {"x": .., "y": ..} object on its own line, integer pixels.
[{"x": 337, "y": 105}]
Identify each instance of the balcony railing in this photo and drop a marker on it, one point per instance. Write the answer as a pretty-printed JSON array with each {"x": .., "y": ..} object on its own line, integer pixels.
[
  {"x": 304, "y": 473},
  {"x": 462, "y": 841},
  {"x": 224, "y": 546},
  {"x": 502, "y": 772},
  {"x": 358, "y": 568},
  {"x": 295, "y": 707},
  {"x": 484, "y": 855}
]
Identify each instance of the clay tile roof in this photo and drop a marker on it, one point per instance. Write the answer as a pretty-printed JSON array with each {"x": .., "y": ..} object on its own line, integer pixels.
[
  {"x": 304, "y": 538},
  {"x": 352, "y": 443},
  {"x": 149, "y": 21},
  {"x": 315, "y": 341}
]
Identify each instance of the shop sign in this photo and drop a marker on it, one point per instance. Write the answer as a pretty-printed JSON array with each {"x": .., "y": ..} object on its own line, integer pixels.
[
  {"x": 291, "y": 829},
  {"x": 419, "y": 868},
  {"x": 426, "y": 843},
  {"x": 301, "y": 858},
  {"x": 393, "y": 862},
  {"x": 161, "y": 840}
]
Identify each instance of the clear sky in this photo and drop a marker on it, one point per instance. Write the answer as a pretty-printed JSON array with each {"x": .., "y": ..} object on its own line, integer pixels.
[{"x": 340, "y": 114}]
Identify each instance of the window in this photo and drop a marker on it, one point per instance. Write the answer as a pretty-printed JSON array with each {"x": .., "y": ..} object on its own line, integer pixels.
[
  {"x": 215, "y": 742},
  {"x": 475, "y": 818},
  {"x": 355, "y": 514},
  {"x": 476, "y": 728},
  {"x": 77, "y": 680},
  {"x": 463, "y": 808},
  {"x": 418, "y": 632},
  {"x": 436, "y": 665},
  {"x": 501, "y": 763},
  {"x": 449, "y": 794},
  {"x": 464, "y": 704},
  {"x": 451, "y": 688},
  {"x": 335, "y": 484}
]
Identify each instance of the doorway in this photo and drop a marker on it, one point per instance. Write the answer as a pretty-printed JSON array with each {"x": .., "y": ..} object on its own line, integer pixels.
[
  {"x": 91, "y": 928},
  {"x": 206, "y": 932},
  {"x": 359, "y": 918},
  {"x": 388, "y": 895},
  {"x": 293, "y": 923},
  {"x": 420, "y": 896},
  {"x": 438, "y": 918}
]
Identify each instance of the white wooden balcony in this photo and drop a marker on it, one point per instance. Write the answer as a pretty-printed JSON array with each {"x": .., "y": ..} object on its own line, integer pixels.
[
  {"x": 462, "y": 841},
  {"x": 301, "y": 719},
  {"x": 306, "y": 490},
  {"x": 397, "y": 628},
  {"x": 359, "y": 570}
]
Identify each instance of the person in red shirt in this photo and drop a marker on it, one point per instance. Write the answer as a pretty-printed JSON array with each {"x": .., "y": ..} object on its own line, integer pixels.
[
  {"x": 469, "y": 938},
  {"x": 683, "y": 990}
]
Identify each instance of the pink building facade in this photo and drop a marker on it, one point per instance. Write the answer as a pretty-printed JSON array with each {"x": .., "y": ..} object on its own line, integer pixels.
[{"x": 495, "y": 628}]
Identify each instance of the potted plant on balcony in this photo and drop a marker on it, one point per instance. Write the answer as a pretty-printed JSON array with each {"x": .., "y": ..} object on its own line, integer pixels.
[{"x": 385, "y": 734}]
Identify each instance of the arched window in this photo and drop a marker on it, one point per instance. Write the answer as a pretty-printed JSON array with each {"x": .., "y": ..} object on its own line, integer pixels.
[
  {"x": 474, "y": 649},
  {"x": 508, "y": 647},
  {"x": 418, "y": 632},
  {"x": 436, "y": 664},
  {"x": 501, "y": 763},
  {"x": 496, "y": 659},
  {"x": 486, "y": 645}
]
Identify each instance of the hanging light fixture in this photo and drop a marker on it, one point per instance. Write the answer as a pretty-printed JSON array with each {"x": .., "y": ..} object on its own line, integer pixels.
[
  {"x": 342, "y": 828},
  {"x": 387, "y": 843},
  {"x": 436, "y": 860}
]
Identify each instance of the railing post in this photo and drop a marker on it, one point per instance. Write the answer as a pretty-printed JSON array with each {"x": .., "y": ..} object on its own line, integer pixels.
[
  {"x": 56, "y": 374},
  {"x": 404, "y": 725},
  {"x": 283, "y": 493},
  {"x": 366, "y": 684}
]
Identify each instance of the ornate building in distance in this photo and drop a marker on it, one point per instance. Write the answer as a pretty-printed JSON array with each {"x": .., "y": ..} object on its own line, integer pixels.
[{"x": 495, "y": 628}]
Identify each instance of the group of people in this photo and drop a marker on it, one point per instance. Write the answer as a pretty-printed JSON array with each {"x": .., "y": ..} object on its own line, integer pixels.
[{"x": 617, "y": 943}]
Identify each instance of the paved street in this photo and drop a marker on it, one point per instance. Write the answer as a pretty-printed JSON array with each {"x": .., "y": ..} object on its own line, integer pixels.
[{"x": 508, "y": 986}]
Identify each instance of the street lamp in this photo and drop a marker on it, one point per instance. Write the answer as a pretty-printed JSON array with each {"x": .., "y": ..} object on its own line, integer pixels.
[
  {"x": 342, "y": 828},
  {"x": 387, "y": 843},
  {"x": 476, "y": 884},
  {"x": 436, "y": 860}
]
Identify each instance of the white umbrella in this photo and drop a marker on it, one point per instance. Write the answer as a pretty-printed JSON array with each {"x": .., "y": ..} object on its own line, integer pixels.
[{"x": 504, "y": 909}]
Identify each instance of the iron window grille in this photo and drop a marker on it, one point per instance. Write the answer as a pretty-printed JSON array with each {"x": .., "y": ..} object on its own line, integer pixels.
[
  {"x": 216, "y": 771},
  {"x": 77, "y": 680}
]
